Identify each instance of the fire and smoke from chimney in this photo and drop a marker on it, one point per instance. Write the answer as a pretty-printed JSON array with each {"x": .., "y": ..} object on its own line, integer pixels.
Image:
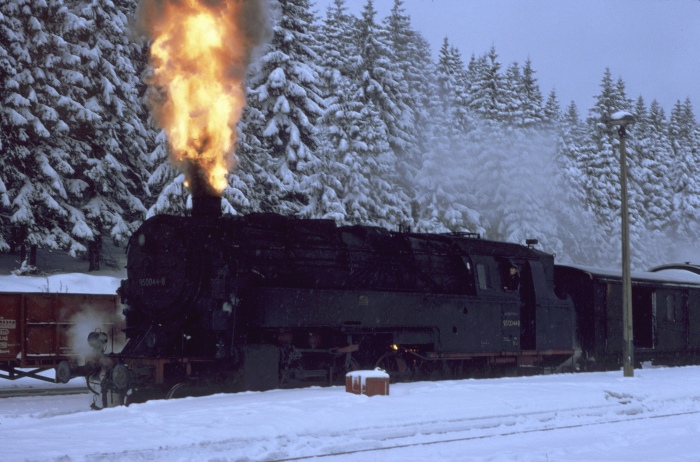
[{"x": 200, "y": 51}]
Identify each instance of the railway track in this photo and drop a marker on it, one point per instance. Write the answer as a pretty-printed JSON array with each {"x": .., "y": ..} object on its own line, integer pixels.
[
  {"x": 481, "y": 431},
  {"x": 370, "y": 441},
  {"x": 24, "y": 392},
  {"x": 453, "y": 436}
]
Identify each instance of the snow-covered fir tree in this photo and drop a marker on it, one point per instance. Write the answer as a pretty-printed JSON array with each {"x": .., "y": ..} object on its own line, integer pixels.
[
  {"x": 285, "y": 93},
  {"x": 532, "y": 109},
  {"x": 348, "y": 119},
  {"x": 601, "y": 167},
  {"x": 487, "y": 101},
  {"x": 381, "y": 133},
  {"x": 575, "y": 222},
  {"x": 166, "y": 182},
  {"x": 6, "y": 69},
  {"x": 552, "y": 108},
  {"x": 444, "y": 199},
  {"x": 487, "y": 87},
  {"x": 527, "y": 160},
  {"x": 73, "y": 125},
  {"x": 114, "y": 130},
  {"x": 412, "y": 58},
  {"x": 349, "y": 125},
  {"x": 338, "y": 126},
  {"x": 40, "y": 72},
  {"x": 684, "y": 136},
  {"x": 650, "y": 184},
  {"x": 452, "y": 91}
]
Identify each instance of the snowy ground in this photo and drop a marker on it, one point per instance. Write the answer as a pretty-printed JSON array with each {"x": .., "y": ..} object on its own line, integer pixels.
[{"x": 583, "y": 417}]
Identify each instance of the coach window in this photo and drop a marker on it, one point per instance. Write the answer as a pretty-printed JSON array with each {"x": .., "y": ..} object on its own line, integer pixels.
[
  {"x": 671, "y": 308},
  {"x": 482, "y": 273}
]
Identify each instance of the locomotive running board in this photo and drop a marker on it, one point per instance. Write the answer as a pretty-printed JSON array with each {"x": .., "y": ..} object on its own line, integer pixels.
[{"x": 504, "y": 354}]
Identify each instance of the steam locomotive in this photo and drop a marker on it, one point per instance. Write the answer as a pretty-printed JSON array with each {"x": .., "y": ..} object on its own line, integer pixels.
[{"x": 230, "y": 303}]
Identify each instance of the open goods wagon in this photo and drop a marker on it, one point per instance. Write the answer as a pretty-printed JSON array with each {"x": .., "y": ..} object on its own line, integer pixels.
[{"x": 38, "y": 331}]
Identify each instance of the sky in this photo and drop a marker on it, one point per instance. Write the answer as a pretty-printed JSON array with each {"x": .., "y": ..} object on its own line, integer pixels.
[{"x": 653, "y": 45}]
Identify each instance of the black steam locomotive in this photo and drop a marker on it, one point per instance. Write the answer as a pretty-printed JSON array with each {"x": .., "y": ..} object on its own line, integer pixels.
[{"x": 230, "y": 303}]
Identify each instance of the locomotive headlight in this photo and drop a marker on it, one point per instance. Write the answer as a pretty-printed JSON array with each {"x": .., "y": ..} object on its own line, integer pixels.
[{"x": 120, "y": 377}]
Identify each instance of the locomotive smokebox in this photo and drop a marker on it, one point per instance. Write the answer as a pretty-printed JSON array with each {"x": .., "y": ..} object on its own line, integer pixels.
[{"x": 206, "y": 202}]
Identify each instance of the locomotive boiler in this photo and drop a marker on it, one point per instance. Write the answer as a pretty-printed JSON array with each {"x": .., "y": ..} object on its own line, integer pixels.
[{"x": 227, "y": 303}]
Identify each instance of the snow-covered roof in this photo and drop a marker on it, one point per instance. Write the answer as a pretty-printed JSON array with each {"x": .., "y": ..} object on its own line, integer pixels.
[{"x": 673, "y": 276}]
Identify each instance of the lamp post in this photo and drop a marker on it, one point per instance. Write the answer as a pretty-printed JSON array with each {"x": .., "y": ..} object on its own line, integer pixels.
[{"x": 621, "y": 120}]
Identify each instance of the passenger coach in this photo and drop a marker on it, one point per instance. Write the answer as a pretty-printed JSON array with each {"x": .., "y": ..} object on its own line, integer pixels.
[{"x": 665, "y": 315}]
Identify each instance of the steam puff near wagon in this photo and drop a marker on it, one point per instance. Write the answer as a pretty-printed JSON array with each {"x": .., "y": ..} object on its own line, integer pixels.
[{"x": 230, "y": 303}]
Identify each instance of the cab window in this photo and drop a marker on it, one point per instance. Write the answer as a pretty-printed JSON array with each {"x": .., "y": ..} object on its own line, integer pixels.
[{"x": 482, "y": 274}]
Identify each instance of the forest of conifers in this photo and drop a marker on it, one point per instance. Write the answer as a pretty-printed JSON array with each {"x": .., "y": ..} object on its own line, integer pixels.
[{"x": 348, "y": 118}]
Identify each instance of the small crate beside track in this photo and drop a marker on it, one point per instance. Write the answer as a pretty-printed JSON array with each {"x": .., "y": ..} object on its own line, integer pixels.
[{"x": 370, "y": 383}]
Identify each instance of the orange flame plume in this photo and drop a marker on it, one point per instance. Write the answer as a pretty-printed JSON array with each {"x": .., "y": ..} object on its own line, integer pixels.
[{"x": 199, "y": 52}]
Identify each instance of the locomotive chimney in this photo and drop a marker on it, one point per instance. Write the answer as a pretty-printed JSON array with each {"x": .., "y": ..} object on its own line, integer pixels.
[{"x": 206, "y": 202}]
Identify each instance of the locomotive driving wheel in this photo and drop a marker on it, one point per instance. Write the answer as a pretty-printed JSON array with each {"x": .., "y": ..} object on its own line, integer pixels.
[
  {"x": 395, "y": 365},
  {"x": 177, "y": 391}
]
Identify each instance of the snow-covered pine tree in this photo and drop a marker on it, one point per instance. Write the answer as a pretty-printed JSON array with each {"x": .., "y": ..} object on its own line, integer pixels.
[
  {"x": 323, "y": 180},
  {"x": 684, "y": 136},
  {"x": 649, "y": 185},
  {"x": 338, "y": 127},
  {"x": 487, "y": 101},
  {"x": 38, "y": 114},
  {"x": 573, "y": 215},
  {"x": 601, "y": 167},
  {"x": 6, "y": 69},
  {"x": 412, "y": 57},
  {"x": 552, "y": 108},
  {"x": 450, "y": 98},
  {"x": 512, "y": 93},
  {"x": 635, "y": 189},
  {"x": 338, "y": 52},
  {"x": 532, "y": 110},
  {"x": 382, "y": 132},
  {"x": 113, "y": 128},
  {"x": 527, "y": 162},
  {"x": 238, "y": 196},
  {"x": 443, "y": 184},
  {"x": 287, "y": 97},
  {"x": 345, "y": 127},
  {"x": 656, "y": 157},
  {"x": 462, "y": 117},
  {"x": 487, "y": 87},
  {"x": 382, "y": 80},
  {"x": 166, "y": 182}
]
